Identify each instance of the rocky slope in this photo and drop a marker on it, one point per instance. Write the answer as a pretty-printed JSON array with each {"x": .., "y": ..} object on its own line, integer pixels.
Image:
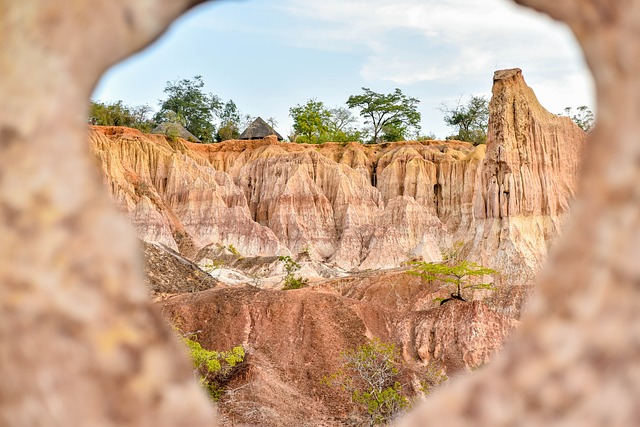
[
  {"x": 295, "y": 338},
  {"x": 354, "y": 206},
  {"x": 167, "y": 272}
]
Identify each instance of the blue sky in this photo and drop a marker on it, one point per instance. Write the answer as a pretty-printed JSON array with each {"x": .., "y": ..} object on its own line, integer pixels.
[{"x": 269, "y": 55}]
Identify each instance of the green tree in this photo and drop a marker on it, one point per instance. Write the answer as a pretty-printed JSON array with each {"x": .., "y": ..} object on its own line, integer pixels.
[
  {"x": 383, "y": 110},
  {"x": 187, "y": 99},
  {"x": 394, "y": 132},
  {"x": 457, "y": 274},
  {"x": 342, "y": 126},
  {"x": 230, "y": 122},
  {"x": 119, "y": 114},
  {"x": 470, "y": 120},
  {"x": 370, "y": 375},
  {"x": 583, "y": 117},
  {"x": 291, "y": 281},
  {"x": 310, "y": 121}
]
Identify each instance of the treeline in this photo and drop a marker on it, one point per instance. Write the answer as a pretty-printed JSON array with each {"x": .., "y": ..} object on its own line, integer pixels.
[
  {"x": 203, "y": 114},
  {"x": 380, "y": 117}
]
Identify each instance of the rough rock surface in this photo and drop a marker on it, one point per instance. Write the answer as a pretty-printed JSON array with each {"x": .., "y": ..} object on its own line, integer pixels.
[
  {"x": 174, "y": 196},
  {"x": 80, "y": 343},
  {"x": 294, "y": 339},
  {"x": 167, "y": 272},
  {"x": 69, "y": 275},
  {"x": 359, "y": 207},
  {"x": 528, "y": 179}
]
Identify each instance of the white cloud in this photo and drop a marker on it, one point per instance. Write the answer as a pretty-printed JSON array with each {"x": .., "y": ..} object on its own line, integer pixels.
[
  {"x": 435, "y": 50},
  {"x": 410, "y": 41}
]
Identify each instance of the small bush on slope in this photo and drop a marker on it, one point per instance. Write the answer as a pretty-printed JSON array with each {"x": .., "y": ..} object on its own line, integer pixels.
[
  {"x": 370, "y": 375},
  {"x": 291, "y": 281},
  {"x": 214, "y": 368}
]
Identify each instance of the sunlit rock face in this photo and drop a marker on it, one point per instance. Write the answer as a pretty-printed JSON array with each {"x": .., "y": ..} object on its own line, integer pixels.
[
  {"x": 174, "y": 196},
  {"x": 528, "y": 179},
  {"x": 357, "y": 206}
]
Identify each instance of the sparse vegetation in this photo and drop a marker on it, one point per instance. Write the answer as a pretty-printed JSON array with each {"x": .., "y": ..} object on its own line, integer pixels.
[
  {"x": 305, "y": 251},
  {"x": 470, "y": 120},
  {"x": 212, "y": 368},
  {"x": 213, "y": 266},
  {"x": 427, "y": 137},
  {"x": 119, "y": 114},
  {"x": 432, "y": 377},
  {"x": 583, "y": 117},
  {"x": 453, "y": 253},
  {"x": 291, "y": 281},
  {"x": 456, "y": 274},
  {"x": 394, "y": 114},
  {"x": 370, "y": 375}
]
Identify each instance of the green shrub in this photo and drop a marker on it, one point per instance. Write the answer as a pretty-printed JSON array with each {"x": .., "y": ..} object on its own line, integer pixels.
[
  {"x": 213, "y": 368},
  {"x": 431, "y": 377},
  {"x": 119, "y": 114},
  {"x": 213, "y": 266},
  {"x": 370, "y": 375},
  {"x": 291, "y": 281}
]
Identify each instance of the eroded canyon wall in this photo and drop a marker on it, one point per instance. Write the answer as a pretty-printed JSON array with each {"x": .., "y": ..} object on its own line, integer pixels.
[
  {"x": 573, "y": 361},
  {"x": 358, "y": 206},
  {"x": 528, "y": 179}
]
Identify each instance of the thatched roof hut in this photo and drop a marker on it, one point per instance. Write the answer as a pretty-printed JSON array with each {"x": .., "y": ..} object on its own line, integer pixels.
[
  {"x": 175, "y": 129},
  {"x": 259, "y": 129}
]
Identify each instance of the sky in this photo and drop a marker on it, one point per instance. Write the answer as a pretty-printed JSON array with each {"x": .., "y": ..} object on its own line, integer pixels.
[{"x": 270, "y": 55}]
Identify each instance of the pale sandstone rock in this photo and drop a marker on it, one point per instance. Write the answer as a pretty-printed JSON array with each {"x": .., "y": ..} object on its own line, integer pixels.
[
  {"x": 80, "y": 344},
  {"x": 182, "y": 196},
  {"x": 367, "y": 207},
  {"x": 461, "y": 336},
  {"x": 586, "y": 307},
  {"x": 528, "y": 180},
  {"x": 404, "y": 224}
]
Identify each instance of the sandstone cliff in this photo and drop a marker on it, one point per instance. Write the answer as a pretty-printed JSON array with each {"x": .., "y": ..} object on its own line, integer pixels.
[
  {"x": 355, "y": 206},
  {"x": 174, "y": 196},
  {"x": 528, "y": 179}
]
